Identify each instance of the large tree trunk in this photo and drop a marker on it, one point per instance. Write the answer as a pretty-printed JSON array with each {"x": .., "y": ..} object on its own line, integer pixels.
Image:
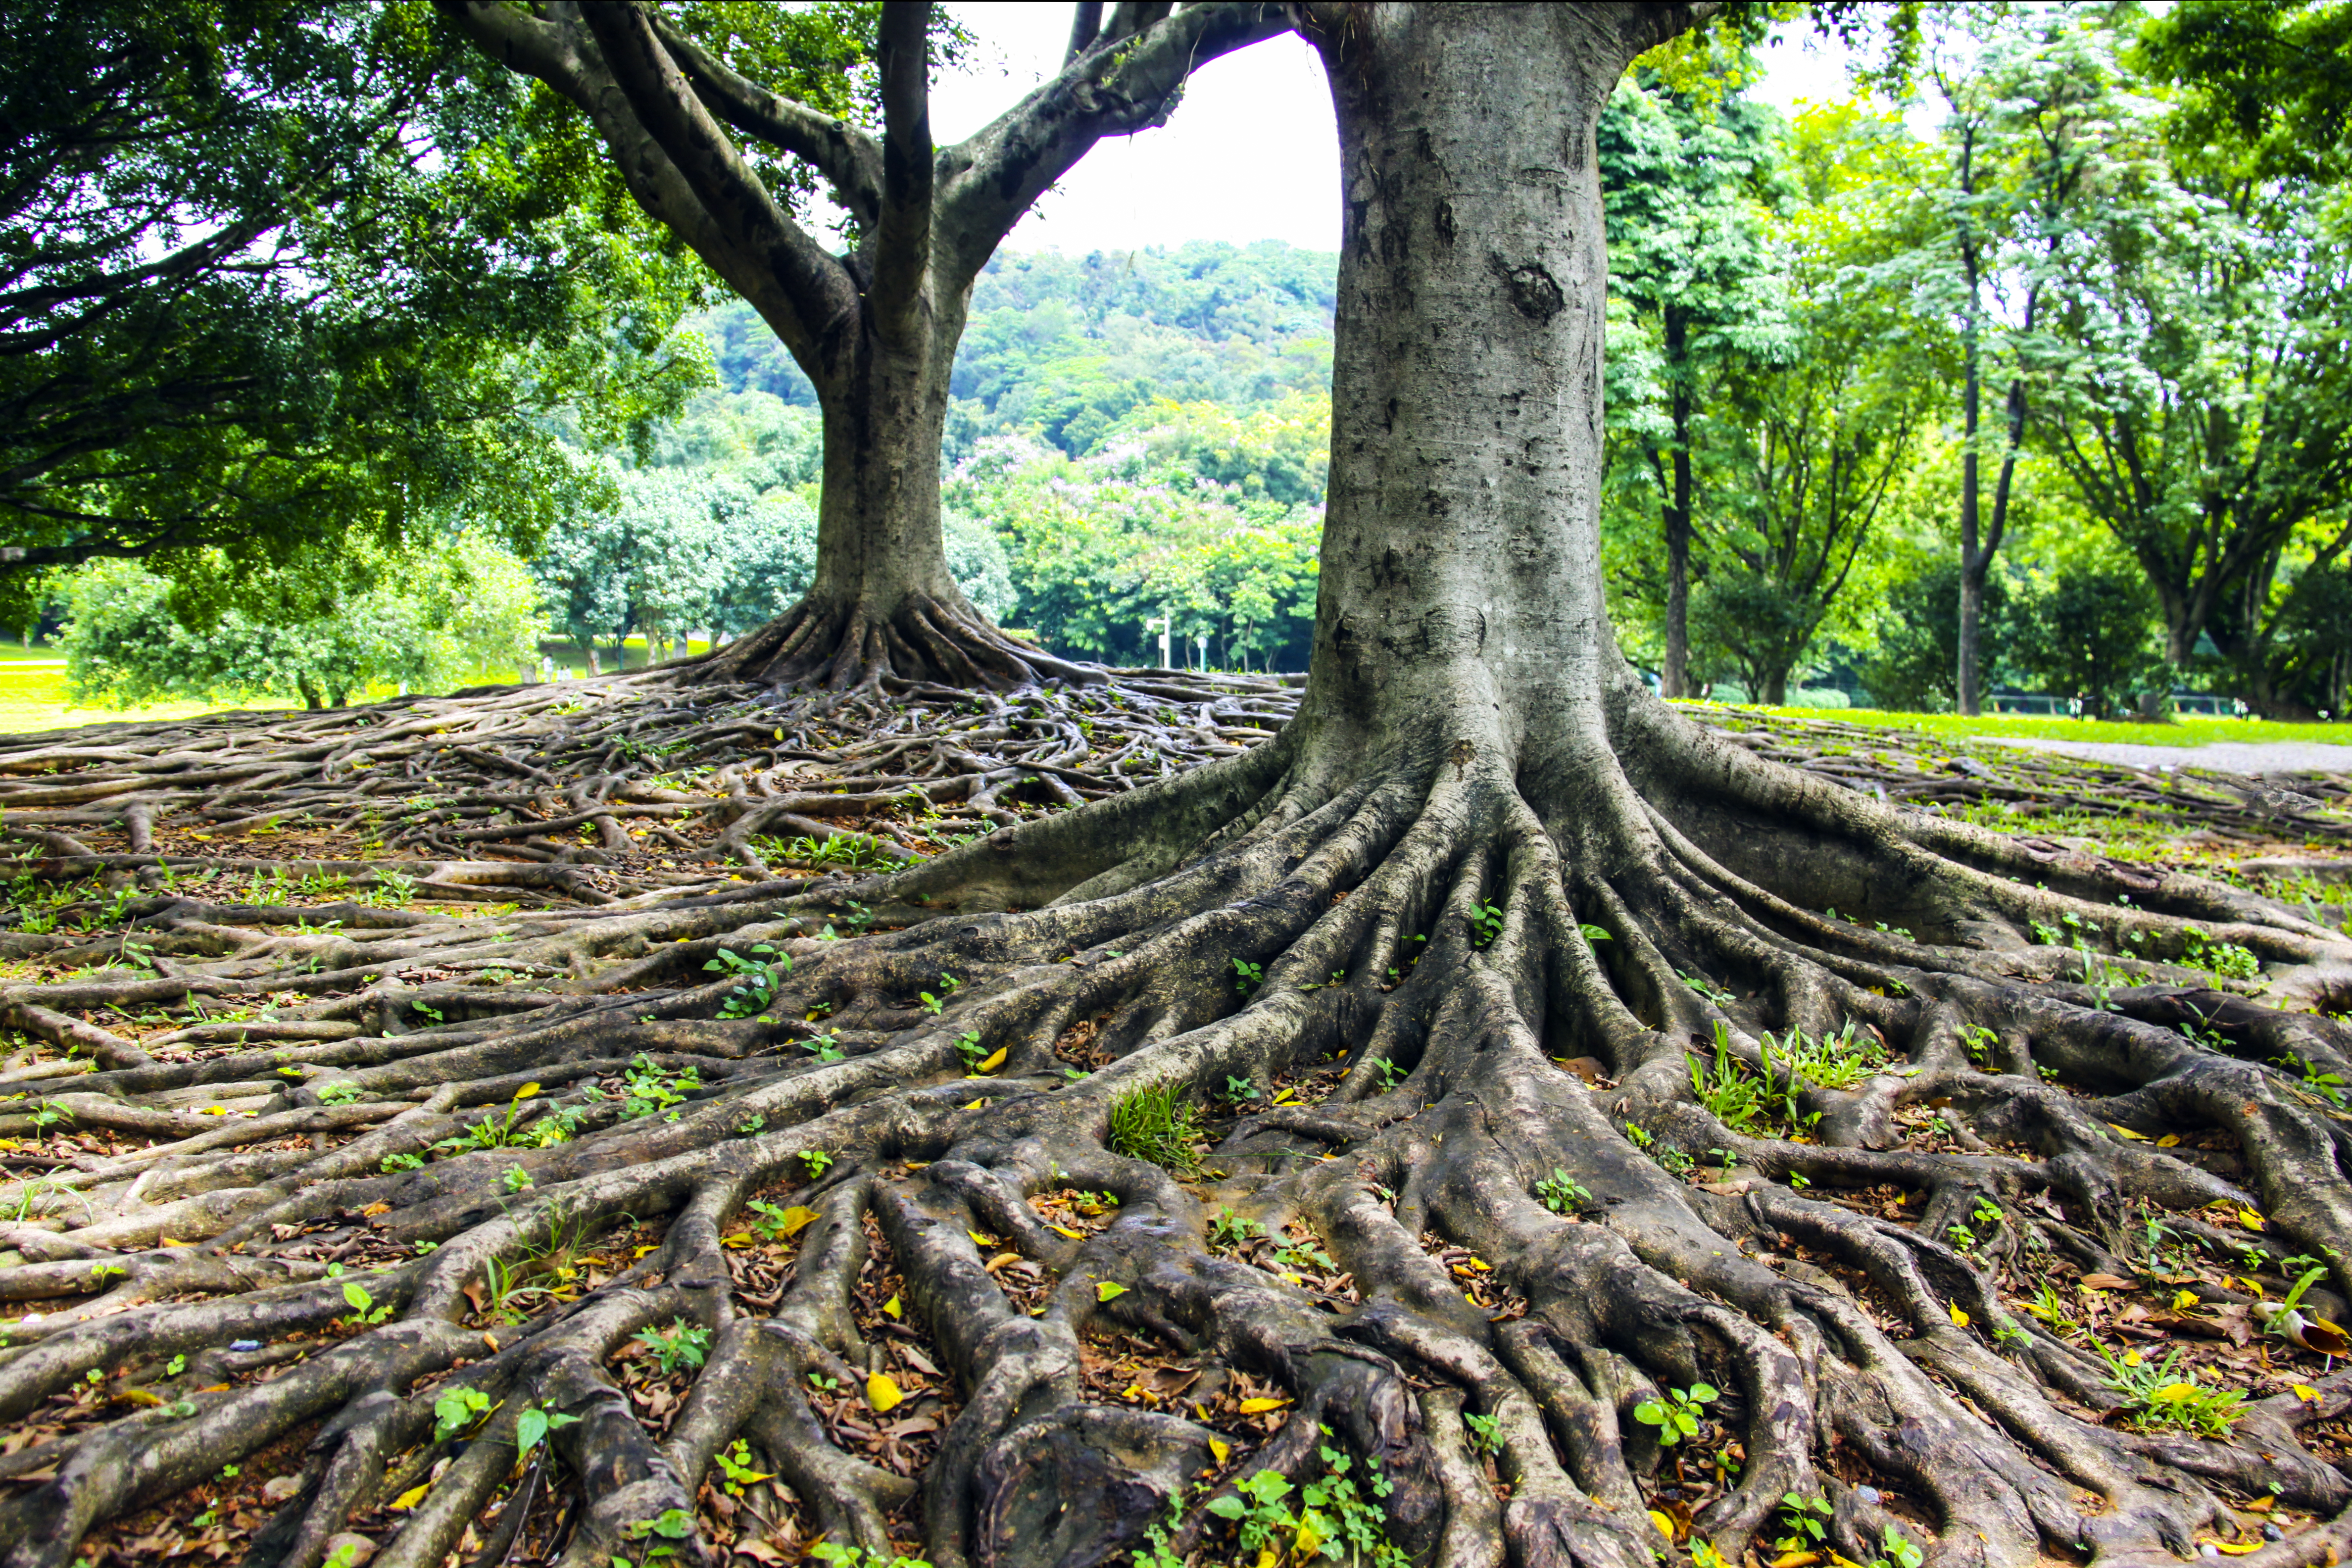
[{"x": 883, "y": 603}]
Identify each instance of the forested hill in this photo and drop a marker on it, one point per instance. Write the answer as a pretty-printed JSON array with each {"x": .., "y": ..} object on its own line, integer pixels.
[{"x": 1066, "y": 345}]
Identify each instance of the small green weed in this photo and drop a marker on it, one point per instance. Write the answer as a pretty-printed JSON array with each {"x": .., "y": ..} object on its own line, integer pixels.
[
  {"x": 1335, "y": 1519},
  {"x": 1677, "y": 1415},
  {"x": 682, "y": 1344},
  {"x": 1563, "y": 1195},
  {"x": 1155, "y": 1122},
  {"x": 1834, "y": 1061},
  {"x": 758, "y": 987},
  {"x": 2158, "y": 1396}
]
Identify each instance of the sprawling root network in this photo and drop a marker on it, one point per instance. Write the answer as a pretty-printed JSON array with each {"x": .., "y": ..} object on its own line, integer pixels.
[
  {"x": 845, "y": 644},
  {"x": 1433, "y": 1144}
]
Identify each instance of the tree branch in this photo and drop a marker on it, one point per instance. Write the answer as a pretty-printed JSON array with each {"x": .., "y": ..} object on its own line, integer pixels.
[
  {"x": 902, "y": 241},
  {"x": 1085, "y": 26},
  {"x": 843, "y": 155},
  {"x": 799, "y": 291},
  {"x": 1008, "y": 164}
]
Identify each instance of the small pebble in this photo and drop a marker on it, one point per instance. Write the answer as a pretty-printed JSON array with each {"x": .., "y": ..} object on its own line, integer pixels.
[
  {"x": 2273, "y": 1532},
  {"x": 1867, "y": 1494},
  {"x": 2208, "y": 1550},
  {"x": 244, "y": 1344}
]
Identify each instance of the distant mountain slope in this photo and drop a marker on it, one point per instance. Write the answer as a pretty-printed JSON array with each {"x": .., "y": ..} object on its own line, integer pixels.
[{"x": 1065, "y": 346}]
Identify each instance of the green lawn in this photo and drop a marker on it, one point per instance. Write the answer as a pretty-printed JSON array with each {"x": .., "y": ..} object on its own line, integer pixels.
[
  {"x": 33, "y": 694},
  {"x": 33, "y": 697},
  {"x": 2177, "y": 732}
]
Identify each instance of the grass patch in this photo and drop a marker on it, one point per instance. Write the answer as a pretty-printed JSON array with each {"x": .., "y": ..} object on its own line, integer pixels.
[
  {"x": 2183, "y": 732},
  {"x": 33, "y": 698},
  {"x": 1155, "y": 1124}
]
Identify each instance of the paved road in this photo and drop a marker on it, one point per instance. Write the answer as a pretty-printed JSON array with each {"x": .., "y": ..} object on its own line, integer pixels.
[{"x": 2223, "y": 756}]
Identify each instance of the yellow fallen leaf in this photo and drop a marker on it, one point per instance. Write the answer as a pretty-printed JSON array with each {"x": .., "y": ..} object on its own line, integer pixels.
[
  {"x": 980, "y": 1239},
  {"x": 2305, "y": 1392},
  {"x": 2176, "y": 1393},
  {"x": 1958, "y": 1317},
  {"x": 1309, "y": 1541},
  {"x": 1260, "y": 1407},
  {"x": 2239, "y": 1547},
  {"x": 779, "y": 734},
  {"x": 490, "y": 1340},
  {"x": 2183, "y": 1300},
  {"x": 794, "y": 1220},
  {"x": 2127, "y": 1134},
  {"x": 2170, "y": 1140},
  {"x": 526, "y": 1091},
  {"x": 893, "y": 1308},
  {"x": 1796, "y": 1559},
  {"x": 882, "y": 1393},
  {"x": 994, "y": 1059},
  {"x": 739, "y": 1241},
  {"x": 1665, "y": 1526},
  {"x": 374, "y": 1209},
  {"x": 976, "y": 1105},
  {"x": 655, "y": 1248},
  {"x": 2132, "y": 1358},
  {"x": 1220, "y": 1450},
  {"x": 169, "y": 1241},
  {"x": 1482, "y": 1266},
  {"x": 1268, "y": 1557},
  {"x": 2250, "y": 1219},
  {"x": 1108, "y": 1290},
  {"x": 140, "y": 1396},
  {"x": 413, "y": 1496},
  {"x": 1066, "y": 1230}
]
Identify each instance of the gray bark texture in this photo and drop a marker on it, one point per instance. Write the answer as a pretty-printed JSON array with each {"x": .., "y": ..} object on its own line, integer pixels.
[
  {"x": 876, "y": 329},
  {"x": 1359, "y": 1111}
]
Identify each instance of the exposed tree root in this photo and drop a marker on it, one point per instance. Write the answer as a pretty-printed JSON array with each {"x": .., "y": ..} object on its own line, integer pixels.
[
  {"x": 583, "y": 792},
  {"x": 839, "y": 647},
  {"x": 1487, "y": 1103}
]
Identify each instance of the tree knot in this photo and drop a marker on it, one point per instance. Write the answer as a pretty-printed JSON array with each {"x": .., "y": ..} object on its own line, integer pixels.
[{"x": 1535, "y": 292}]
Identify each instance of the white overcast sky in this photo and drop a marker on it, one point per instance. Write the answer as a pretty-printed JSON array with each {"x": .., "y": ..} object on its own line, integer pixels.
[{"x": 1249, "y": 154}]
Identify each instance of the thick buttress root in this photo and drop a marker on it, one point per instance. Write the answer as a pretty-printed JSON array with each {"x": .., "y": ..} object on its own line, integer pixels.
[
  {"x": 839, "y": 646},
  {"x": 1424, "y": 1141}
]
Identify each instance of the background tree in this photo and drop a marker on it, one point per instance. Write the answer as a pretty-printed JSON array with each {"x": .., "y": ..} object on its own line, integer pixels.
[
  {"x": 2086, "y": 634},
  {"x": 2202, "y": 400},
  {"x": 875, "y": 327},
  {"x": 2026, "y": 101},
  {"x": 1690, "y": 179},
  {"x": 280, "y": 271},
  {"x": 1815, "y": 446},
  {"x": 430, "y": 622}
]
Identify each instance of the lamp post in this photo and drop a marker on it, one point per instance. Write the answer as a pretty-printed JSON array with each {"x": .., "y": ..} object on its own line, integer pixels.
[{"x": 1160, "y": 624}]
